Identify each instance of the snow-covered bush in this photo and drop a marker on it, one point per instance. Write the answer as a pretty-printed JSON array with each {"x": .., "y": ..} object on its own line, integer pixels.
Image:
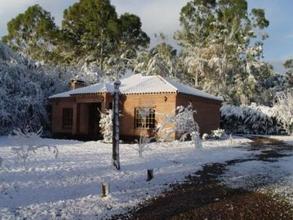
[
  {"x": 27, "y": 142},
  {"x": 205, "y": 136},
  {"x": 106, "y": 126},
  {"x": 218, "y": 134},
  {"x": 283, "y": 110},
  {"x": 185, "y": 123},
  {"x": 182, "y": 123},
  {"x": 250, "y": 119},
  {"x": 143, "y": 144}
]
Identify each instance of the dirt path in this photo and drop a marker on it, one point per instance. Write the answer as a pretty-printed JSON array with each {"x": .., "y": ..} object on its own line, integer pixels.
[{"x": 203, "y": 196}]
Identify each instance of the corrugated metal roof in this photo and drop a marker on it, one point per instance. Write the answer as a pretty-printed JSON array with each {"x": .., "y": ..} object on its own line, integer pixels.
[{"x": 138, "y": 84}]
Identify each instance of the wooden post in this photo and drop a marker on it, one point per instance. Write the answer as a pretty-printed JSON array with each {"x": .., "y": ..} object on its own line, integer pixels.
[
  {"x": 104, "y": 190},
  {"x": 115, "y": 120},
  {"x": 150, "y": 174}
]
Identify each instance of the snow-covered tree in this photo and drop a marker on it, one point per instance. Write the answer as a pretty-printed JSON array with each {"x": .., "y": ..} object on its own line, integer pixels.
[
  {"x": 283, "y": 110},
  {"x": 144, "y": 140},
  {"x": 26, "y": 142},
  {"x": 289, "y": 73},
  {"x": 161, "y": 60},
  {"x": 24, "y": 90},
  {"x": 144, "y": 144},
  {"x": 185, "y": 122},
  {"x": 106, "y": 126},
  {"x": 182, "y": 123},
  {"x": 222, "y": 44}
]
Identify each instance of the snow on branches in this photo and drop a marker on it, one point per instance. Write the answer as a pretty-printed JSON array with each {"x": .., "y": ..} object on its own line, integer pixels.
[
  {"x": 283, "y": 109},
  {"x": 259, "y": 119},
  {"x": 106, "y": 125},
  {"x": 246, "y": 119},
  {"x": 24, "y": 89},
  {"x": 27, "y": 142},
  {"x": 144, "y": 115},
  {"x": 182, "y": 123}
]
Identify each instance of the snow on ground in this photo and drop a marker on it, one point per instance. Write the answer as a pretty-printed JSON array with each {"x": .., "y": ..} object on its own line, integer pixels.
[
  {"x": 284, "y": 186},
  {"x": 275, "y": 177},
  {"x": 68, "y": 186},
  {"x": 286, "y": 139}
]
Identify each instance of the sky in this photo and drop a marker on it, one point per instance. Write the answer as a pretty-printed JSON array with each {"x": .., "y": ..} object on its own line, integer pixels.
[{"x": 163, "y": 16}]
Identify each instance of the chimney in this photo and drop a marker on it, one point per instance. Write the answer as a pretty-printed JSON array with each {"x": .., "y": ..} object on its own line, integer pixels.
[{"x": 75, "y": 84}]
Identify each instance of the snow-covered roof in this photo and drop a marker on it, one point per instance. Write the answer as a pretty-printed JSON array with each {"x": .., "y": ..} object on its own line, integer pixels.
[{"x": 139, "y": 84}]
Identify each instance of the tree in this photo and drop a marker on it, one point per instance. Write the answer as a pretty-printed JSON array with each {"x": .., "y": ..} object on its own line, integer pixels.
[
  {"x": 33, "y": 34},
  {"x": 95, "y": 33},
  {"x": 132, "y": 37},
  {"x": 24, "y": 91},
  {"x": 131, "y": 42},
  {"x": 283, "y": 109},
  {"x": 106, "y": 126},
  {"x": 289, "y": 66},
  {"x": 182, "y": 123},
  {"x": 161, "y": 60},
  {"x": 91, "y": 28},
  {"x": 92, "y": 34},
  {"x": 222, "y": 46}
]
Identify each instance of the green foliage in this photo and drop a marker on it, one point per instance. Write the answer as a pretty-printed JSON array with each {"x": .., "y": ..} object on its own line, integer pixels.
[
  {"x": 91, "y": 32},
  {"x": 91, "y": 29},
  {"x": 33, "y": 33},
  {"x": 94, "y": 33},
  {"x": 131, "y": 34}
]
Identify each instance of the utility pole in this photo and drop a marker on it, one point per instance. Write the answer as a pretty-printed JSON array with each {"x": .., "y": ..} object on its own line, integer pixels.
[{"x": 116, "y": 126}]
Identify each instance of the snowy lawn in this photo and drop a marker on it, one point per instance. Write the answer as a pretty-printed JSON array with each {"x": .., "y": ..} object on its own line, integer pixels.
[{"x": 69, "y": 186}]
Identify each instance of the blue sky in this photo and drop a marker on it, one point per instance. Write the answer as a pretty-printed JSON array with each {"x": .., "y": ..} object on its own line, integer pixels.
[{"x": 163, "y": 15}]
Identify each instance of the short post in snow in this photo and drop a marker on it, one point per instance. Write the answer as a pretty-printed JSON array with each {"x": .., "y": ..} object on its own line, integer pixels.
[
  {"x": 104, "y": 190},
  {"x": 115, "y": 120},
  {"x": 150, "y": 174}
]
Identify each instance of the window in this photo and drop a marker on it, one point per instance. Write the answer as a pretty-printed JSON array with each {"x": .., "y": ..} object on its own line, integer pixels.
[
  {"x": 144, "y": 118},
  {"x": 67, "y": 118}
]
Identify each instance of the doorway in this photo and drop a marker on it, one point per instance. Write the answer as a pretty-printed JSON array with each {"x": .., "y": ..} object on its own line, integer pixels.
[{"x": 93, "y": 121}]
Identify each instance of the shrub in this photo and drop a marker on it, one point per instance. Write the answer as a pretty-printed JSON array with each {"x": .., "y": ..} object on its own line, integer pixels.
[{"x": 250, "y": 119}]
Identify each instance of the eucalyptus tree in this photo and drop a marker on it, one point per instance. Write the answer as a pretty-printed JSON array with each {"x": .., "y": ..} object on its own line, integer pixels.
[
  {"x": 289, "y": 73},
  {"x": 222, "y": 45}
]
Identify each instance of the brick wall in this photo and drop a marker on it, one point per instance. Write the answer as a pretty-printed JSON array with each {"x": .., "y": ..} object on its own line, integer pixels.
[
  {"x": 208, "y": 111},
  {"x": 57, "y": 111},
  {"x": 79, "y": 104},
  {"x": 162, "y": 103}
]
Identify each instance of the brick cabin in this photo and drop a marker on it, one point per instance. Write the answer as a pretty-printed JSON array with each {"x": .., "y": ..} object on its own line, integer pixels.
[{"x": 75, "y": 115}]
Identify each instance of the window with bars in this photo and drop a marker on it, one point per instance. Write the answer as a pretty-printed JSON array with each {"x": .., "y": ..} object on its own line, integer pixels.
[
  {"x": 145, "y": 118},
  {"x": 67, "y": 118}
]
